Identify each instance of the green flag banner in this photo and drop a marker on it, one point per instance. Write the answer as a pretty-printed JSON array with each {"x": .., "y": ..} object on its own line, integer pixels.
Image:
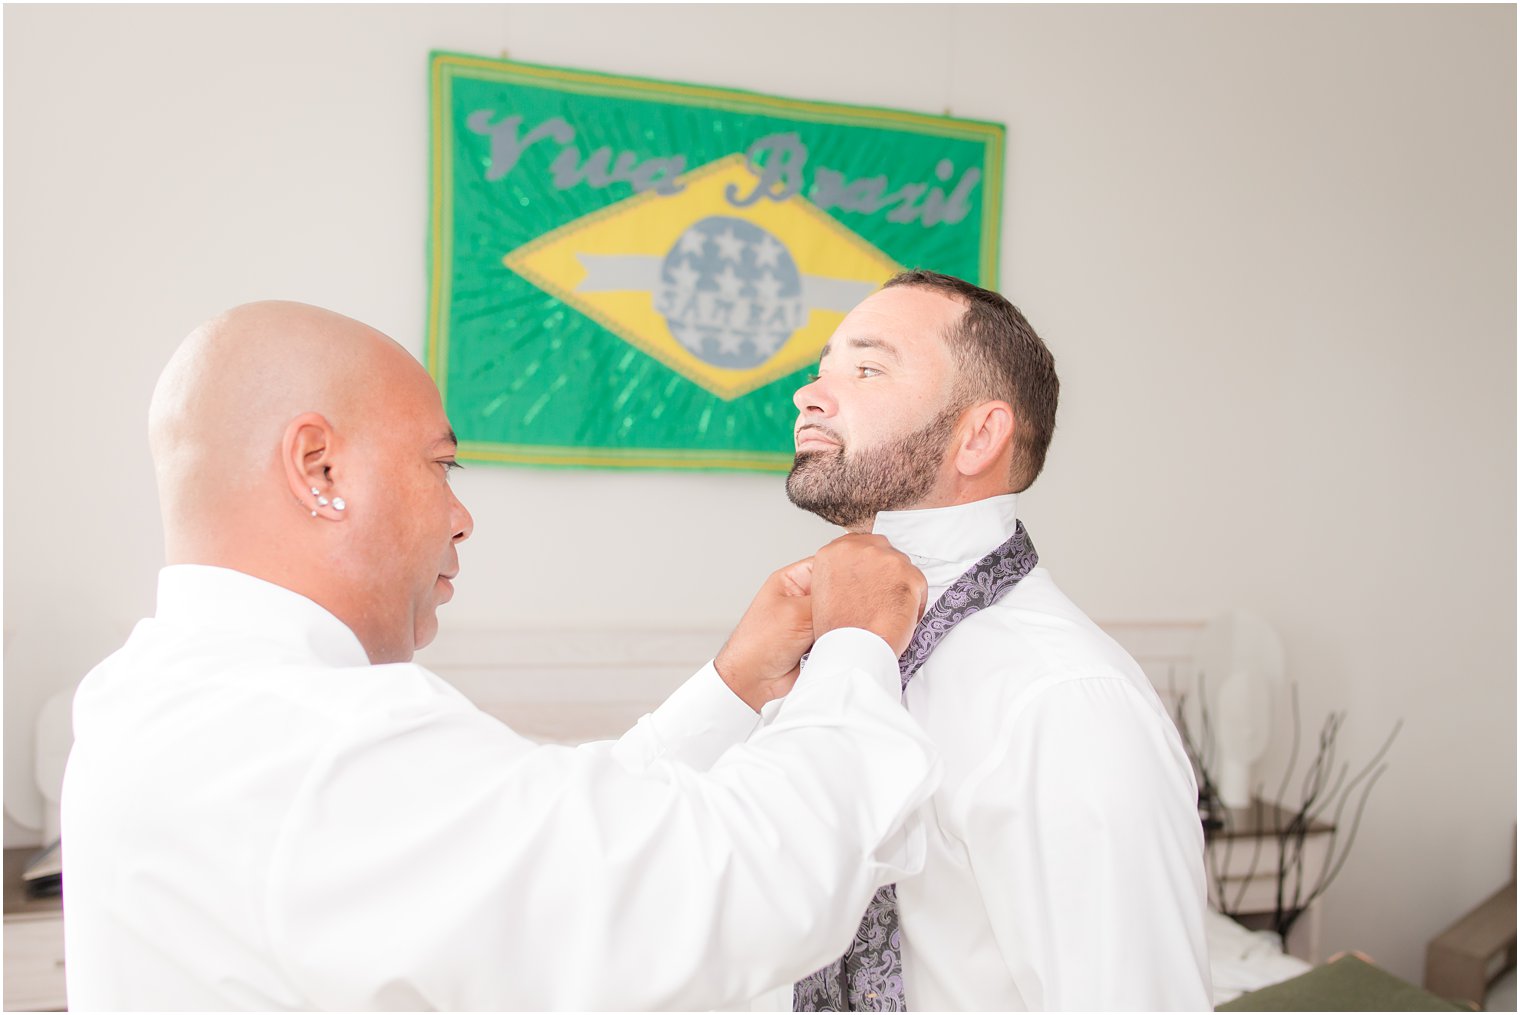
[{"x": 636, "y": 273}]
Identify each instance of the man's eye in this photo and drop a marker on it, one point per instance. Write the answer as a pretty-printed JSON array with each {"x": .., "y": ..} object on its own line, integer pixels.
[
  {"x": 449, "y": 466},
  {"x": 866, "y": 371},
  {"x": 812, "y": 378}
]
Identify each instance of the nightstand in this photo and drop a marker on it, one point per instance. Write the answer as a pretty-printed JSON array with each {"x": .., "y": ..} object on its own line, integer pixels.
[
  {"x": 1242, "y": 860},
  {"x": 1464, "y": 961},
  {"x": 33, "y": 942}
]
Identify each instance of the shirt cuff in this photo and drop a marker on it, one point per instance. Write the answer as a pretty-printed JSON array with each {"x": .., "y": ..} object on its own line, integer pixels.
[
  {"x": 701, "y": 720},
  {"x": 854, "y": 648}
]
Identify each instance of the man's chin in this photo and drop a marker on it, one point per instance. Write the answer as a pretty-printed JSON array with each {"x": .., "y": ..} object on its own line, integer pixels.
[
  {"x": 424, "y": 630},
  {"x": 831, "y": 509}
]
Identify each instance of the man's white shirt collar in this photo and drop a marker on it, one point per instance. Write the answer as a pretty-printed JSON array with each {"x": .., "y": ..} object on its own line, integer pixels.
[
  {"x": 942, "y": 542},
  {"x": 227, "y": 601}
]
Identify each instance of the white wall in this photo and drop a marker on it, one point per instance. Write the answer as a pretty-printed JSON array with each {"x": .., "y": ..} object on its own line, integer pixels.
[{"x": 1273, "y": 250}]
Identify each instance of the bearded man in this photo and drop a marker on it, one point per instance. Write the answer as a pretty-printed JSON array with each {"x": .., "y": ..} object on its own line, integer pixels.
[{"x": 1065, "y": 863}]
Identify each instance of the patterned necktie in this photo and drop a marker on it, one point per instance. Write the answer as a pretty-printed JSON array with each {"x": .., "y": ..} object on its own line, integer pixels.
[{"x": 868, "y": 977}]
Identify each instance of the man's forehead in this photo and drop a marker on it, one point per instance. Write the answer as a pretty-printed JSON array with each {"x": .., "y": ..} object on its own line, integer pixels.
[
  {"x": 912, "y": 301},
  {"x": 896, "y": 320},
  {"x": 412, "y": 403}
]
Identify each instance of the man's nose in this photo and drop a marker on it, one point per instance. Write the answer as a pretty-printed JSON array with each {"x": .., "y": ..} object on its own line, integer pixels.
[
  {"x": 814, "y": 398},
  {"x": 462, "y": 520}
]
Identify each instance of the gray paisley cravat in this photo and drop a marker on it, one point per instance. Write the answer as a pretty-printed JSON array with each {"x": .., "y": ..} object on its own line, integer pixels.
[{"x": 868, "y": 977}]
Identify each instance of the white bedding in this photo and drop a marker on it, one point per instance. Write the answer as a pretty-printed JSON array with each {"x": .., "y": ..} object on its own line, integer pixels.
[{"x": 1244, "y": 960}]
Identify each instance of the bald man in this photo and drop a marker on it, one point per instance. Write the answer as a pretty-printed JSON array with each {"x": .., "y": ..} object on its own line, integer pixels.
[{"x": 268, "y": 806}]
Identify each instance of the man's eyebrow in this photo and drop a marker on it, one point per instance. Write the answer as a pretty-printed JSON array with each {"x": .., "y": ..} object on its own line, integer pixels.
[
  {"x": 447, "y": 438},
  {"x": 865, "y": 342}
]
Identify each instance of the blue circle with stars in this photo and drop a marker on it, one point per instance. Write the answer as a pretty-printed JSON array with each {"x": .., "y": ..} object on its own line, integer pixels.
[{"x": 730, "y": 292}]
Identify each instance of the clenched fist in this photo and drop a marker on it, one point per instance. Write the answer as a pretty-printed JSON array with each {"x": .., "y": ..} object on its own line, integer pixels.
[
  {"x": 860, "y": 581},
  {"x": 762, "y": 658}
]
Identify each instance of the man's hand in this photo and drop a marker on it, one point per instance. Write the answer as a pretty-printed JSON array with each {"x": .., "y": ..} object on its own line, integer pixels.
[
  {"x": 762, "y": 658},
  {"x": 860, "y": 581}
]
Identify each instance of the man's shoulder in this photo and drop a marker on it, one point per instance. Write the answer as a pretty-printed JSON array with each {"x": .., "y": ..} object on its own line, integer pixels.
[
  {"x": 198, "y": 678},
  {"x": 1036, "y": 632},
  {"x": 1031, "y": 652}
]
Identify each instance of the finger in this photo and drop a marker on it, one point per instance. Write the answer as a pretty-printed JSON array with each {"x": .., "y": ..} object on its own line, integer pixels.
[
  {"x": 801, "y": 614},
  {"x": 797, "y": 578}
]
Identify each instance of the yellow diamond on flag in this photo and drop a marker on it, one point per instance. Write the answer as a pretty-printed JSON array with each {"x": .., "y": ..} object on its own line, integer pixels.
[{"x": 731, "y": 297}]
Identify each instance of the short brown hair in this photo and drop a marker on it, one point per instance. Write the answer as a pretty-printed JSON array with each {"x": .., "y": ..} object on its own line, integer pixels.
[{"x": 999, "y": 356}]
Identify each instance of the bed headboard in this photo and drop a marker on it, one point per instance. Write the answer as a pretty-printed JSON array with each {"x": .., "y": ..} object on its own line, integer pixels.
[{"x": 570, "y": 686}]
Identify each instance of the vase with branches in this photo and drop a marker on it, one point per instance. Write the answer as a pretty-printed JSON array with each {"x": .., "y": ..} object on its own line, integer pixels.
[{"x": 1326, "y": 791}]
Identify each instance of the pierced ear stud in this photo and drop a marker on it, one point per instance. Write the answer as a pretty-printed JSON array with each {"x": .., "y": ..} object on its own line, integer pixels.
[{"x": 338, "y": 503}]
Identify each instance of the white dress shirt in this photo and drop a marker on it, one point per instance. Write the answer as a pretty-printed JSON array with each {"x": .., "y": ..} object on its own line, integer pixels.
[
  {"x": 1065, "y": 855},
  {"x": 255, "y": 817}
]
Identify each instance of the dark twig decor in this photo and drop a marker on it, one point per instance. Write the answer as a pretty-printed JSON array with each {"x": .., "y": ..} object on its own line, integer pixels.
[{"x": 1324, "y": 788}]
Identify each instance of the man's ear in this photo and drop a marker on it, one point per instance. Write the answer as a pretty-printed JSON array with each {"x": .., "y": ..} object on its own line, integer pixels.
[
  {"x": 307, "y": 452},
  {"x": 986, "y": 438}
]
